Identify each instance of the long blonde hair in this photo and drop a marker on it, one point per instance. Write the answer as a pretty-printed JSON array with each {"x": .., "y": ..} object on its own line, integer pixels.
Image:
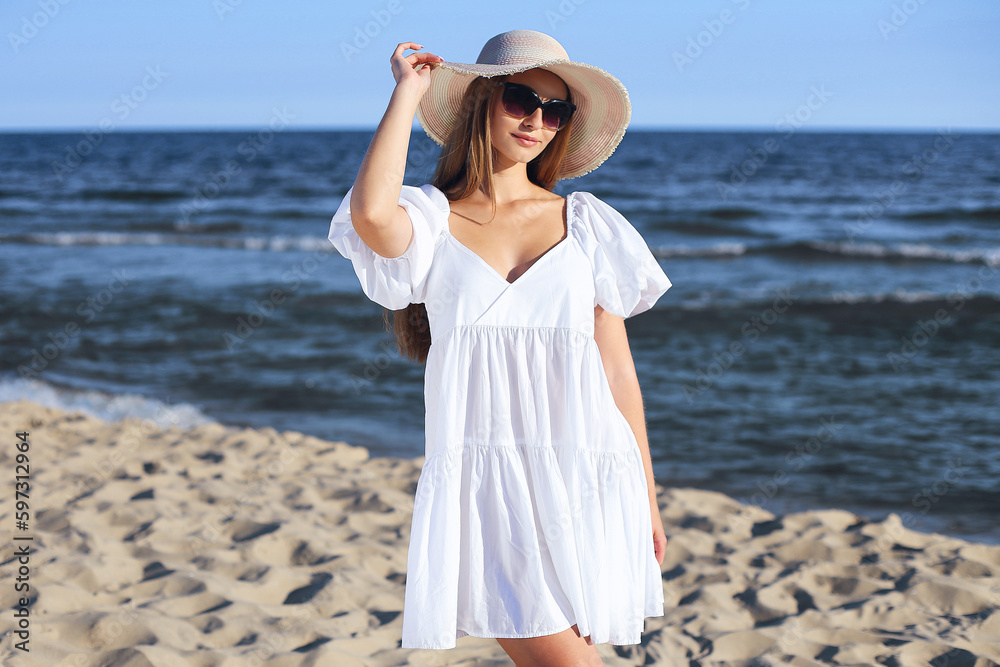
[{"x": 469, "y": 153}]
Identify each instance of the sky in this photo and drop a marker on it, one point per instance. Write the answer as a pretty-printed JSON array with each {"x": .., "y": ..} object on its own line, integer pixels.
[{"x": 79, "y": 65}]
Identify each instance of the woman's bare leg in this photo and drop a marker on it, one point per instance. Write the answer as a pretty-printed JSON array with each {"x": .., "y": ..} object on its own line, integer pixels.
[{"x": 563, "y": 649}]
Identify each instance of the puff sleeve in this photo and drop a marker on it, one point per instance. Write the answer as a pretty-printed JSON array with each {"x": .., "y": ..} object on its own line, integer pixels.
[
  {"x": 627, "y": 278},
  {"x": 394, "y": 282}
]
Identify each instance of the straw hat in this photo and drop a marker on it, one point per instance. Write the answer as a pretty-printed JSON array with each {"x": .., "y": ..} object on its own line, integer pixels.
[{"x": 602, "y": 105}]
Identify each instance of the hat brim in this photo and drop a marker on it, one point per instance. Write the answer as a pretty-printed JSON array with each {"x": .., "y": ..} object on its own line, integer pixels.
[{"x": 603, "y": 109}]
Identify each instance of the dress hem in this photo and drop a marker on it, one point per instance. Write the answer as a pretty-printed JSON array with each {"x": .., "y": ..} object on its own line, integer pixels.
[{"x": 614, "y": 641}]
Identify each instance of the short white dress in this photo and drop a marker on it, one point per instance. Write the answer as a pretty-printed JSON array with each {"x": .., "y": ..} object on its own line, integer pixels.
[{"x": 531, "y": 511}]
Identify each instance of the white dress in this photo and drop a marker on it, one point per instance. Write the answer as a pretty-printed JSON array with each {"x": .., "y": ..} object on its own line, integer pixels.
[{"x": 531, "y": 511}]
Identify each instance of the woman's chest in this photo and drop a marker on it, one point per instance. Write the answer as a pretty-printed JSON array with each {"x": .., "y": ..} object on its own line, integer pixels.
[
  {"x": 556, "y": 290},
  {"x": 515, "y": 238}
]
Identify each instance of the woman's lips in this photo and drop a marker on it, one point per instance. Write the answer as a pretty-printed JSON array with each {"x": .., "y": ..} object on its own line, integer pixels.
[{"x": 525, "y": 142}]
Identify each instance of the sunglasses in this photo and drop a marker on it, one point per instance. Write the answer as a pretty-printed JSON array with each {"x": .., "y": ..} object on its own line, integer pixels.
[{"x": 520, "y": 101}]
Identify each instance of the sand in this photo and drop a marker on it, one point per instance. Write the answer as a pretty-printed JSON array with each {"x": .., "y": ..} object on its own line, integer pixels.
[{"x": 226, "y": 546}]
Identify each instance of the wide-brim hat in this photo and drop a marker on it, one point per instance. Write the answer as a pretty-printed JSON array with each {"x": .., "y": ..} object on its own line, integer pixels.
[{"x": 602, "y": 111}]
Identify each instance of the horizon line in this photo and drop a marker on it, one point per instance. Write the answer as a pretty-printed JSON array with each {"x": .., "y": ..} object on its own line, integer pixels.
[{"x": 820, "y": 129}]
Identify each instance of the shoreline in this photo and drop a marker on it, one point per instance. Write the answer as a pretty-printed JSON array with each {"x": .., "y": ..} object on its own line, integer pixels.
[
  {"x": 113, "y": 407},
  {"x": 155, "y": 545}
]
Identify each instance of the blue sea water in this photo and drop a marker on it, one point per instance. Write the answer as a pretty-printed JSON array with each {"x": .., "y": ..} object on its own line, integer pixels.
[{"x": 832, "y": 338}]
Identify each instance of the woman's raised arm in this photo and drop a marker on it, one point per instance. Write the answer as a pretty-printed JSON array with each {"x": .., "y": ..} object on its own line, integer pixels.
[{"x": 375, "y": 211}]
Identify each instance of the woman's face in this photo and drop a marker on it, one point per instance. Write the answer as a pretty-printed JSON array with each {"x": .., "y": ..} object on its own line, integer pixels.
[{"x": 505, "y": 129}]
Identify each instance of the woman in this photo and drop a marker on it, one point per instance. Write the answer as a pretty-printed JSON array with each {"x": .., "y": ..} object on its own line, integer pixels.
[{"x": 535, "y": 518}]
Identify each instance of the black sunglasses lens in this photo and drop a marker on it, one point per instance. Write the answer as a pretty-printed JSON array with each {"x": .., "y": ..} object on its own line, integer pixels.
[
  {"x": 555, "y": 116},
  {"x": 520, "y": 102}
]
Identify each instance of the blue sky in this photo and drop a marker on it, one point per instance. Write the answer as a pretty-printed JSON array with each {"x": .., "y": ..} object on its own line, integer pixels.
[{"x": 852, "y": 64}]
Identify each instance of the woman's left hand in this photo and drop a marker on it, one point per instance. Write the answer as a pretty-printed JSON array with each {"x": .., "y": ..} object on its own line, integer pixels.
[{"x": 659, "y": 537}]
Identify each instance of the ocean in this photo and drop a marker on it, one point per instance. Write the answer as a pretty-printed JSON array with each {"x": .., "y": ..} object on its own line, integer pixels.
[{"x": 831, "y": 339}]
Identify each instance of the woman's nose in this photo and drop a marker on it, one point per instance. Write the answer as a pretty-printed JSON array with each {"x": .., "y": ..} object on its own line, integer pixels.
[{"x": 532, "y": 121}]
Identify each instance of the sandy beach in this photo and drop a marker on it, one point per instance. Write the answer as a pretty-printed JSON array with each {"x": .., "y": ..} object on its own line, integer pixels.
[{"x": 224, "y": 546}]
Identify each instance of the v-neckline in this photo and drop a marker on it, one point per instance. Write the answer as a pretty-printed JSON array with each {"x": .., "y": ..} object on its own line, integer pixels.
[{"x": 566, "y": 222}]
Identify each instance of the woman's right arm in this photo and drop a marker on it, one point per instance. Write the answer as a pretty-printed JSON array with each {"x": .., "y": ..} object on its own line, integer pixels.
[{"x": 378, "y": 218}]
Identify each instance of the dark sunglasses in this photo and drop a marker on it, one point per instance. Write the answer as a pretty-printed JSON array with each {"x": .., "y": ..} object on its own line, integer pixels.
[{"x": 520, "y": 101}]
